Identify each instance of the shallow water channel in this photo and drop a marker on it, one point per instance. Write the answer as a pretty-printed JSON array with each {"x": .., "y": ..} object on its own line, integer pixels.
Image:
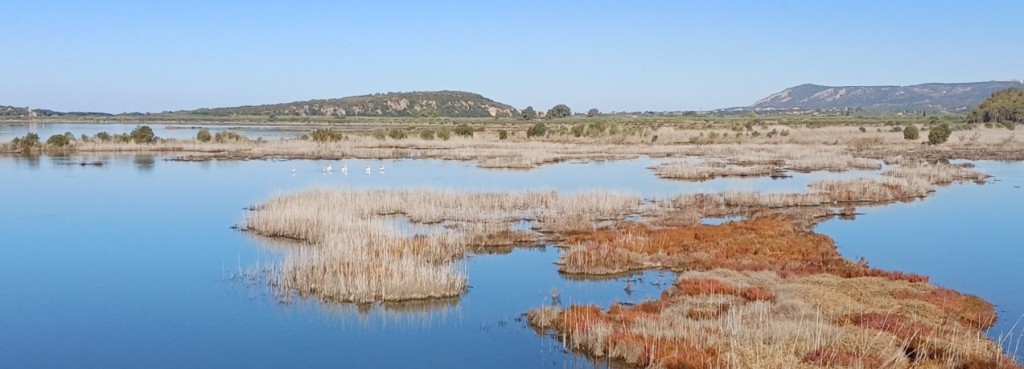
[{"x": 132, "y": 263}]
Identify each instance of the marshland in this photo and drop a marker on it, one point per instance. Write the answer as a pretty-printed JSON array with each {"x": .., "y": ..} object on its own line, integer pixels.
[
  {"x": 402, "y": 184},
  {"x": 842, "y": 247}
]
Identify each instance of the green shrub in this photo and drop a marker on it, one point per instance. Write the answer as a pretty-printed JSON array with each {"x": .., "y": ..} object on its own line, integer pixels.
[
  {"x": 538, "y": 129},
  {"x": 396, "y": 133},
  {"x": 939, "y": 134},
  {"x": 227, "y": 136},
  {"x": 464, "y": 130},
  {"x": 427, "y": 134},
  {"x": 502, "y": 134},
  {"x": 326, "y": 135},
  {"x": 103, "y": 136},
  {"x": 379, "y": 134},
  {"x": 578, "y": 130},
  {"x": 58, "y": 141},
  {"x": 204, "y": 135},
  {"x": 862, "y": 129},
  {"x": 26, "y": 143},
  {"x": 911, "y": 132},
  {"x": 142, "y": 134},
  {"x": 1009, "y": 125},
  {"x": 444, "y": 133}
]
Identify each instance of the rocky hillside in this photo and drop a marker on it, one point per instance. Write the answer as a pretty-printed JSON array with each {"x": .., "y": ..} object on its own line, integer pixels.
[
  {"x": 941, "y": 97},
  {"x": 392, "y": 104}
]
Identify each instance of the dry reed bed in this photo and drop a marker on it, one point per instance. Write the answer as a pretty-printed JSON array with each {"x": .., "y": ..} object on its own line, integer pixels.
[
  {"x": 706, "y": 170},
  {"x": 902, "y": 183},
  {"x": 352, "y": 254}
]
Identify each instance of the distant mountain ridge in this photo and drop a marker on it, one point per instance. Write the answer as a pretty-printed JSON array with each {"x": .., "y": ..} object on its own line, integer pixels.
[
  {"x": 942, "y": 97},
  {"x": 392, "y": 104}
]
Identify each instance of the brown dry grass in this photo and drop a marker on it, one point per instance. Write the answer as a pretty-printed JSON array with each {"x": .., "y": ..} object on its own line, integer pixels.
[
  {"x": 706, "y": 170},
  {"x": 817, "y": 321}
]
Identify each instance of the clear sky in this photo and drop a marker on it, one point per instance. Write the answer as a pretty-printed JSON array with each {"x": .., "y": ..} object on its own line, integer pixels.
[{"x": 116, "y": 56}]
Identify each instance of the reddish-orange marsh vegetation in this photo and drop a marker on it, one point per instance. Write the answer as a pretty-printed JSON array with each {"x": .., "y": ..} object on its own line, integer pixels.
[
  {"x": 766, "y": 293},
  {"x": 752, "y": 245}
]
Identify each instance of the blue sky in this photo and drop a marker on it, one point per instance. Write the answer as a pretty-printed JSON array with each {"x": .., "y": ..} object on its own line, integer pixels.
[{"x": 117, "y": 56}]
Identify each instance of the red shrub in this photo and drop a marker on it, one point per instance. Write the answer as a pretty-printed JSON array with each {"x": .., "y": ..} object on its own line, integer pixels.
[{"x": 757, "y": 294}]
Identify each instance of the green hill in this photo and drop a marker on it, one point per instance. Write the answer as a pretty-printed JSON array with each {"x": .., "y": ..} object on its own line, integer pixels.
[{"x": 392, "y": 104}]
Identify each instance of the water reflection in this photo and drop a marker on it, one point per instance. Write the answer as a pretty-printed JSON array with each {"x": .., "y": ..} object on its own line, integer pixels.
[{"x": 144, "y": 163}]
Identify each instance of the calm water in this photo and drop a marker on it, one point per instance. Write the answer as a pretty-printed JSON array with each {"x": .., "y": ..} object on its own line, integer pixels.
[
  {"x": 966, "y": 237},
  {"x": 8, "y": 131},
  {"x": 129, "y": 264}
]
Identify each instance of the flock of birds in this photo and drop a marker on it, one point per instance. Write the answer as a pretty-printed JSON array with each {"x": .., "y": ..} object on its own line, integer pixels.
[{"x": 329, "y": 169}]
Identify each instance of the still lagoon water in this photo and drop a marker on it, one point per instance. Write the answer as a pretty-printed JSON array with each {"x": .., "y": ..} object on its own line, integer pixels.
[
  {"x": 8, "y": 131},
  {"x": 131, "y": 264}
]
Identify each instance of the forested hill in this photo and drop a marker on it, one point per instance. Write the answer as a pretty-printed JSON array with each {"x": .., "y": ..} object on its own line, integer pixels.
[
  {"x": 941, "y": 97},
  {"x": 16, "y": 112},
  {"x": 392, "y": 104}
]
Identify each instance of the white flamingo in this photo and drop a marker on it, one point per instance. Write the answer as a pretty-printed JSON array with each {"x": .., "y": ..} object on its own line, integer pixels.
[
  {"x": 328, "y": 169},
  {"x": 382, "y": 168},
  {"x": 367, "y": 169},
  {"x": 344, "y": 168}
]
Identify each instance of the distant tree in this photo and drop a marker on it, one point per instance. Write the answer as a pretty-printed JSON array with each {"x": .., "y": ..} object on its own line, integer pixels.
[
  {"x": 593, "y": 112},
  {"x": 502, "y": 134},
  {"x": 538, "y": 129},
  {"x": 939, "y": 134},
  {"x": 528, "y": 114},
  {"x": 911, "y": 132},
  {"x": 1003, "y": 106},
  {"x": 103, "y": 136},
  {"x": 558, "y": 111},
  {"x": 427, "y": 134},
  {"x": 142, "y": 134},
  {"x": 204, "y": 135}
]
